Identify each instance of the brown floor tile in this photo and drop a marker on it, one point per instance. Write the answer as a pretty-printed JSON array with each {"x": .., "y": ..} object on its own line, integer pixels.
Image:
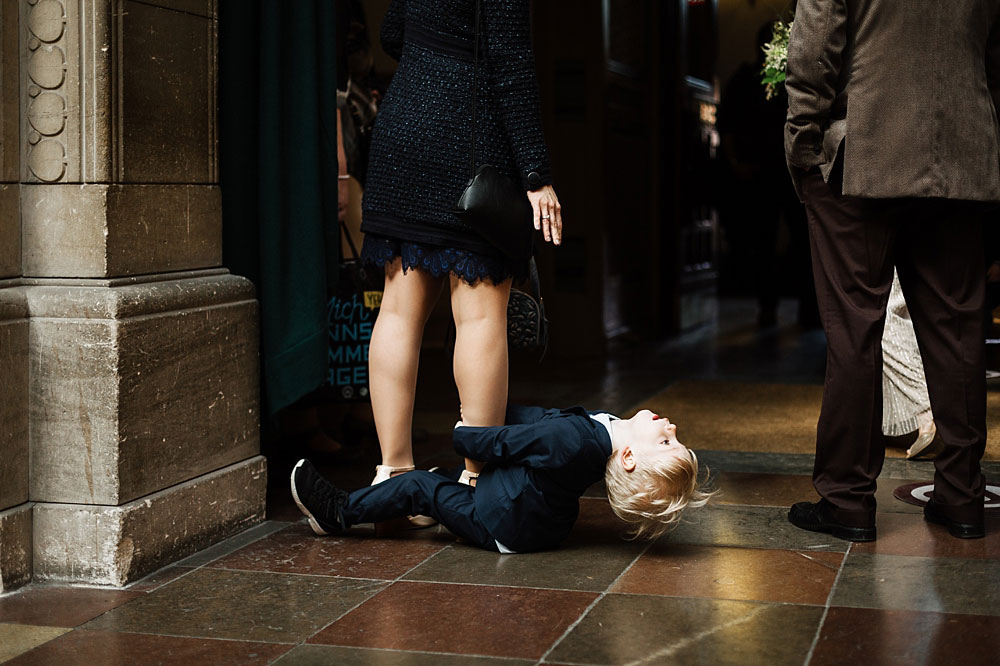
[
  {"x": 59, "y": 606},
  {"x": 233, "y": 543},
  {"x": 783, "y": 490},
  {"x": 17, "y": 639},
  {"x": 764, "y": 489},
  {"x": 460, "y": 619},
  {"x": 86, "y": 648},
  {"x": 298, "y": 550},
  {"x": 159, "y": 578},
  {"x": 625, "y": 629},
  {"x": 900, "y": 534},
  {"x": 241, "y": 605},
  {"x": 938, "y": 584},
  {"x": 894, "y": 637},
  {"x": 733, "y": 573},
  {"x": 592, "y": 557},
  {"x": 749, "y": 527},
  {"x": 324, "y": 655}
]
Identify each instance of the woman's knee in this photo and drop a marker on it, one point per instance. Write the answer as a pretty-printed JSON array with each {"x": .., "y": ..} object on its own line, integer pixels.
[
  {"x": 411, "y": 294},
  {"x": 481, "y": 304}
]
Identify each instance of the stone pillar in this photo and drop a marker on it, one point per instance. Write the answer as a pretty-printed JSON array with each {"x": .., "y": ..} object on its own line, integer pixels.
[
  {"x": 143, "y": 374},
  {"x": 15, "y": 511}
]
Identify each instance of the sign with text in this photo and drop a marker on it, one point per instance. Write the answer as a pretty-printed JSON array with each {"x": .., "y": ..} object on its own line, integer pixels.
[{"x": 351, "y": 318}]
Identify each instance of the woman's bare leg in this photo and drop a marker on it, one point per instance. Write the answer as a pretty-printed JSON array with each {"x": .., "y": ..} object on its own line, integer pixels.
[
  {"x": 393, "y": 355},
  {"x": 480, "y": 361}
]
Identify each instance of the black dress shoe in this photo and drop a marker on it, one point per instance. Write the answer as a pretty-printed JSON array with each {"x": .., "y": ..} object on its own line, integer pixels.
[
  {"x": 814, "y": 516},
  {"x": 319, "y": 500},
  {"x": 934, "y": 514}
]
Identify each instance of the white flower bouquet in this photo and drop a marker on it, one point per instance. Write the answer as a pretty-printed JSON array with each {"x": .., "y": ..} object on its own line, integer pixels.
[{"x": 776, "y": 58}]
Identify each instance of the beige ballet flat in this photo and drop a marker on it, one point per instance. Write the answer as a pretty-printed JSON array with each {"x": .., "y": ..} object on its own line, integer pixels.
[{"x": 383, "y": 473}]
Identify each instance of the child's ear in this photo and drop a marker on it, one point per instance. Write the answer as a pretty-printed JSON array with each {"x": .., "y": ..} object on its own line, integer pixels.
[{"x": 627, "y": 459}]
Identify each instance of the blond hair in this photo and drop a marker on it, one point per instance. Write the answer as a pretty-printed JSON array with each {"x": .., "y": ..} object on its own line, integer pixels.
[{"x": 652, "y": 496}]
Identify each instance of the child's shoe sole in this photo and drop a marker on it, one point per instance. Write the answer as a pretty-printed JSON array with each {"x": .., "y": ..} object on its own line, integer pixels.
[{"x": 305, "y": 512}]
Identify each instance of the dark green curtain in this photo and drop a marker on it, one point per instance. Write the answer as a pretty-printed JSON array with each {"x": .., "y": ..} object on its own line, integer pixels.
[{"x": 278, "y": 152}]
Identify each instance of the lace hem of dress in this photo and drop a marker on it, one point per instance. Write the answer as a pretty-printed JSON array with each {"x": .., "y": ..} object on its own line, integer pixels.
[{"x": 470, "y": 267}]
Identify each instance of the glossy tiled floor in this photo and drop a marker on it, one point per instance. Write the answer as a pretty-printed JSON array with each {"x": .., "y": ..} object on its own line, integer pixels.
[{"x": 736, "y": 584}]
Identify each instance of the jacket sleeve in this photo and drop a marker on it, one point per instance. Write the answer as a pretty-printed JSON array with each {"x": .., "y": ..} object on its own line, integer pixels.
[
  {"x": 815, "y": 51},
  {"x": 506, "y": 33},
  {"x": 549, "y": 444},
  {"x": 393, "y": 25},
  {"x": 523, "y": 414}
]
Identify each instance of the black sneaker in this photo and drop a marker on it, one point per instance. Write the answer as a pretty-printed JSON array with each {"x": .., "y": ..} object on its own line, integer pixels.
[
  {"x": 319, "y": 500},
  {"x": 813, "y": 516}
]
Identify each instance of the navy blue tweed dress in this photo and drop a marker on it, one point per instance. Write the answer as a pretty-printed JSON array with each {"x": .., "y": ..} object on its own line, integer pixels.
[{"x": 420, "y": 151}]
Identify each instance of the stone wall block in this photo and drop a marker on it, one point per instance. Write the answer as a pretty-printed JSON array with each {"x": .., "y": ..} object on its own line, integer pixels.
[
  {"x": 15, "y": 547},
  {"x": 162, "y": 390},
  {"x": 97, "y": 231},
  {"x": 10, "y": 230},
  {"x": 64, "y": 230},
  {"x": 168, "y": 92},
  {"x": 160, "y": 228},
  {"x": 13, "y": 399},
  {"x": 104, "y": 545}
]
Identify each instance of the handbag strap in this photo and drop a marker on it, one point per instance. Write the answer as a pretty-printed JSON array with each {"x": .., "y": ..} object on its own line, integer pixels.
[
  {"x": 350, "y": 241},
  {"x": 536, "y": 286},
  {"x": 475, "y": 89}
]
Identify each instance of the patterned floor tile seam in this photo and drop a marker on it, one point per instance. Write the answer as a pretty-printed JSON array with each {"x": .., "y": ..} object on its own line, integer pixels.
[
  {"x": 594, "y": 603},
  {"x": 768, "y": 602},
  {"x": 756, "y": 602},
  {"x": 83, "y": 627},
  {"x": 353, "y": 608},
  {"x": 296, "y": 573},
  {"x": 501, "y": 586},
  {"x": 492, "y": 657},
  {"x": 826, "y": 607}
]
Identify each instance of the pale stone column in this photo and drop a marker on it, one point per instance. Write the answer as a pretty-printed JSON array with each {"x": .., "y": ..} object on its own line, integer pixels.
[
  {"x": 15, "y": 511},
  {"x": 143, "y": 373}
]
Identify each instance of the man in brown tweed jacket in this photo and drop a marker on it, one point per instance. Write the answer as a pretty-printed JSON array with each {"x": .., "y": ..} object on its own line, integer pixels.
[{"x": 893, "y": 144}]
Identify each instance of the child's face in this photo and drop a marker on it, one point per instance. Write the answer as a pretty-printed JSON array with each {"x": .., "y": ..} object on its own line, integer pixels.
[{"x": 651, "y": 435}]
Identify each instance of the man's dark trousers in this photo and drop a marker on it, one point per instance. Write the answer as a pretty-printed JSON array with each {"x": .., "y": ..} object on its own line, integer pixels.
[
  {"x": 936, "y": 246},
  {"x": 451, "y": 503}
]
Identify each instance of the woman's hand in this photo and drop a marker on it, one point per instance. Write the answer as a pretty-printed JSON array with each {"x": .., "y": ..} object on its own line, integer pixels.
[{"x": 547, "y": 213}]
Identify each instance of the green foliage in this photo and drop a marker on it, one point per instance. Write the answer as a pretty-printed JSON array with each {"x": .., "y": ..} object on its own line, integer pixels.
[{"x": 776, "y": 58}]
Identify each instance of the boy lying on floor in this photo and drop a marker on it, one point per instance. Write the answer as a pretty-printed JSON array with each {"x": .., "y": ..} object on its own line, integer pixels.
[{"x": 527, "y": 496}]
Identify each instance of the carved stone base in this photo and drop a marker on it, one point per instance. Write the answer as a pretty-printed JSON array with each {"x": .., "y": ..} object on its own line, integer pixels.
[
  {"x": 138, "y": 386},
  {"x": 116, "y": 545},
  {"x": 15, "y": 547},
  {"x": 13, "y": 397}
]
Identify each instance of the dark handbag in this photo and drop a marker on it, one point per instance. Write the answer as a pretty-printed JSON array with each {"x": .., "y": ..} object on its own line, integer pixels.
[
  {"x": 527, "y": 327},
  {"x": 351, "y": 314},
  {"x": 492, "y": 204}
]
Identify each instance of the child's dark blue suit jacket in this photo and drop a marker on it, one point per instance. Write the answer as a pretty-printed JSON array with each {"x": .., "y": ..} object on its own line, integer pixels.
[{"x": 538, "y": 466}]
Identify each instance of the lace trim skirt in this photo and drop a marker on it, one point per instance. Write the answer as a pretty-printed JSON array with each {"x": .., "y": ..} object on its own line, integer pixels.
[{"x": 470, "y": 267}]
